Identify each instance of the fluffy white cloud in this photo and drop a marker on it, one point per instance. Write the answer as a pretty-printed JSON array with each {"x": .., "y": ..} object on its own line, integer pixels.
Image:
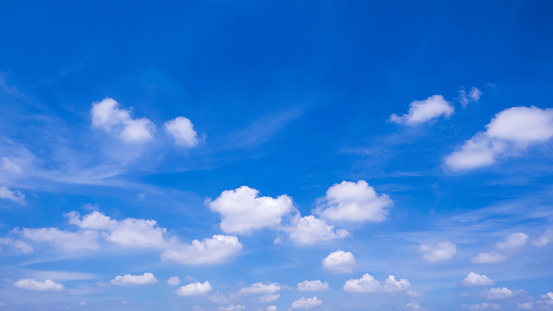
[
  {"x": 309, "y": 286},
  {"x": 309, "y": 230},
  {"x": 173, "y": 281},
  {"x": 182, "y": 131},
  {"x": 65, "y": 240},
  {"x": 483, "y": 306},
  {"x": 306, "y": 303},
  {"x": 434, "y": 253},
  {"x": 339, "y": 261},
  {"x": 194, "y": 289},
  {"x": 413, "y": 306},
  {"x": 108, "y": 116},
  {"x": 271, "y": 308},
  {"x": 392, "y": 285},
  {"x": 14, "y": 196},
  {"x": 475, "y": 279},
  {"x": 355, "y": 202},
  {"x": 261, "y": 288},
  {"x": 129, "y": 279},
  {"x": 216, "y": 249},
  {"x": 421, "y": 111},
  {"x": 473, "y": 96},
  {"x": 17, "y": 245},
  {"x": 514, "y": 240},
  {"x": 244, "y": 211},
  {"x": 488, "y": 257},
  {"x": 508, "y": 134},
  {"x": 366, "y": 284},
  {"x": 32, "y": 284},
  {"x": 544, "y": 239},
  {"x": 232, "y": 308},
  {"x": 498, "y": 293},
  {"x": 269, "y": 298}
]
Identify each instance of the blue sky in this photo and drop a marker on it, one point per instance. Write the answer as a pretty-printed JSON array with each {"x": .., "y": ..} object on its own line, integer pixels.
[{"x": 276, "y": 155}]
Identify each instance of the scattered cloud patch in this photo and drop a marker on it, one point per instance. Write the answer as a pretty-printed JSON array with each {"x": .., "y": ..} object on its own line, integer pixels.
[
  {"x": 232, "y": 308},
  {"x": 475, "y": 279},
  {"x": 214, "y": 250},
  {"x": 194, "y": 289},
  {"x": 129, "y": 279},
  {"x": 499, "y": 293},
  {"x": 413, "y": 306},
  {"x": 310, "y": 230},
  {"x": 510, "y": 133},
  {"x": 261, "y": 288},
  {"x": 354, "y": 202},
  {"x": 473, "y": 96},
  {"x": 182, "y": 131},
  {"x": 244, "y": 211},
  {"x": 269, "y": 298},
  {"x": 514, "y": 241},
  {"x": 271, "y": 308},
  {"x": 32, "y": 284},
  {"x": 366, "y": 284},
  {"x": 306, "y": 303},
  {"x": 482, "y": 306},
  {"x": 16, "y": 245},
  {"x": 339, "y": 261},
  {"x": 437, "y": 252},
  {"x": 488, "y": 257},
  {"x": 14, "y": 196},
  {"x": 310, "y": 286},
  {"x": 173, "y": 281},
  {"x": 64, "y": 240},
  {"x": 544, "y": 239},
  {"x": 421, "y": 111}
]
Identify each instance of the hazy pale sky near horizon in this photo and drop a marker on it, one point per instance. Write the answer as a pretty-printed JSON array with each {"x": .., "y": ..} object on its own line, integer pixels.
[{"x": 276, "y": 155}]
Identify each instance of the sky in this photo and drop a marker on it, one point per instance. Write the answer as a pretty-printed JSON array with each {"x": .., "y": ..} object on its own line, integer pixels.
[{"x": 276, "y": 155}]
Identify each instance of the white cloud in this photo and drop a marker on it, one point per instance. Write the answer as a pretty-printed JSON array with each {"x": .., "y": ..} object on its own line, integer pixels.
[
  {"x": 243, "y": 211},
  {"x": 483, "y": 306},
  {"x": 309, "y": 230},
  {"x": 194, "y": 289},
  {"x": 413, "y": 306},
  {"x": 421, "y": 111},
  {"x": 17, "y": 245},
  {"x": 213, "y": 250},
  {"x": 14, "y": 196},
  {"x": 509, "y": 133},
  {"x": 182, "y": 131},
  {"x": 473, "y": 96},
  {"x": 544, "y": 239},
  {"x": 65, "y": 240},
  {"x": 525, "y": 306},
  {"x": 32, "y": 284},
  {"x": 514, "y": 240},
  {"x": 339, "y": 261},
  {"x": 309, "y": 286},
  {"x": 498, "y": 293},
  {"x": 475, "y": 279},
  {"x": 488, "y": 257},
  {"x": 11, "y": 166},
  {"x": 129, "y": 279},
  {"x": 354, "y": 202},
  {"x": 108, "y": 116},
  {"x": 366, "y": 284},
  {"x": 94, "y": 220},
  {"x": 392, "y": 285},
  {"x": 173, "y": 281},
  {"x": 271, "y": 308},
  {"x": 304, "y": 303},
  {"x": 261, "y": 288},
  {"x": 438, "y": 252},
  {"x": 269, "y": 298},
  {"x": 232, "y": 308}
]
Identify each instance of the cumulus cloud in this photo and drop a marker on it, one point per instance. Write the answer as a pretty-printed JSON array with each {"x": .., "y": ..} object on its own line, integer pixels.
[
  {"x": 310, "y": 286},
  {"x": 32, "y": 284},
  {"x": 129, "y": 279},
  {"x": 118, "y": 122},
  {"x": 309, "y": 230},
  {"x": 544, "y": 239},
  {"x": 421, "y": 111},
  {"x": 483, "y": 306},
  {"x": 438, "y": 252},
  {"x": 473, "y": 96},
  {"x": 306, "y": 303},
  {"x": 498, "y": 293},
  {"x": 17, "y": 245},
  {"x": 194, "y": 289},
  {"x": 509, "y": 133},
  {"x": 339, "y": 261},
  {"x": 366, "y": 284},
  {"x": 354, "y": 202},
  {"x": 269, "y": 298},
  {"x": 214, "y": 250},
  {"x": 514, "y": 241},
  {"x": 244, "y": 211},
  {"x": 413, "y": 306},
  {"x": 393, "y": 285},
  {"x": 64, "y": 240},
  {"x": 14, "y": 196},
  {"x": 488, "y": 257},
  {"x": 261, "y": 288},
  {"x": 232, "y": 308},
  {"x": 182, "y": 131},
  {"x": 475, "y": 279},
  {"x": 173, "y": 281}
]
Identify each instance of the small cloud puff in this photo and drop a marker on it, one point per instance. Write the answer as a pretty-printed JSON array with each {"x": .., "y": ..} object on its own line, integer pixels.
[
  {"x": 173, "y": 281},
  {"x": 488, "y": 257},
  {"x": 474, "y": 279},
  {"x": 339, "y": 261},
  {"x": 421, "y": 111},
  {"x": 129, "y": 279},
  {"x": 182, "y": 131},
  {"x": 438, "y": 252},
  {"x": 306, "y": 303},
  {"x": 194, "y": 289},
  {"x": 32, "y": 284},
  {"x": 14, "y": 196},
  {"x": 310, "y": 230},
  {"x": 309, "y": 286}
]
